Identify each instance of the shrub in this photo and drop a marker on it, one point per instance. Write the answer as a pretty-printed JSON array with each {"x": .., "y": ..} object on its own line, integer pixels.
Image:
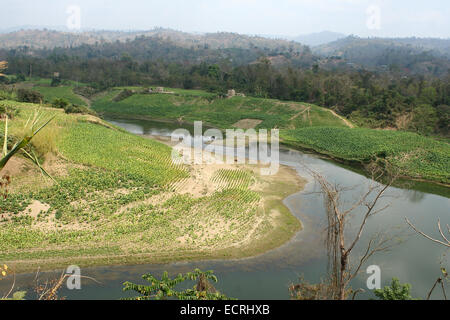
[
  {"x": 396, "y": 291},
  {"x": 60, "y": 103},
  {"x": 123, "y": 95},
  {"x": 73, "y": 108},
  {"x": 85, "y": 91},
  {"x": 7, "y": 94},
  {"x": 25, "y": 95},
  {"x": 55, "y": 82}
]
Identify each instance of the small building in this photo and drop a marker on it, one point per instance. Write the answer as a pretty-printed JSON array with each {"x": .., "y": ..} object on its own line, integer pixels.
[
  {"x": 231, "y": 93},
  {"x": 159, "y": 90}
]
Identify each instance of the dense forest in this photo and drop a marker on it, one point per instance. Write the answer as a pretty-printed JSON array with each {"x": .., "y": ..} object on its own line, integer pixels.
[{"x": 387, "y": 96}]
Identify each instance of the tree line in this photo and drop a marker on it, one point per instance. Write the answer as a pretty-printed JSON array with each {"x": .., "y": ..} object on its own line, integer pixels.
[{"x": 389, "y": 99}]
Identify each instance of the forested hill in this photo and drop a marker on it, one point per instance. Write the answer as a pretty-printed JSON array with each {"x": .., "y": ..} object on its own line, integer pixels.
[
  {"x": 400, "y": 88},
  {"x": 159, "y": 44},
  {"x": 406, "y": 55},
  {"x": 48, "y": 39}
]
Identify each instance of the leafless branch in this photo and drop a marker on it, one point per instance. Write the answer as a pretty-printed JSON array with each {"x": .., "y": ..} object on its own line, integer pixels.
[{"x": 447, "y": 244}]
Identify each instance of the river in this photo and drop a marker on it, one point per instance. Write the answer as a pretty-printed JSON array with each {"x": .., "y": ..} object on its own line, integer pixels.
[{"x": 413, "y": 260}]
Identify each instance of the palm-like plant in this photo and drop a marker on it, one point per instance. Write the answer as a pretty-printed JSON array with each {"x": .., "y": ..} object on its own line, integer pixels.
[
  {"x": 165, "y": 288},
  {"x": 33, "y": 127}
]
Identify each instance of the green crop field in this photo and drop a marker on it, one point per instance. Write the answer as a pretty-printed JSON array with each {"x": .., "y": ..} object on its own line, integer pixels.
[
  {"x": 191, "y": 105},
  {"x": 52, "y": 93},
  {"x": 120, "y": 199},
  {"x": 419, "y": 157}
]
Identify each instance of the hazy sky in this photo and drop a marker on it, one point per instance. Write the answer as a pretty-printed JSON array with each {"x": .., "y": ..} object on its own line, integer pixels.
[{"x": 281, "y": 17}]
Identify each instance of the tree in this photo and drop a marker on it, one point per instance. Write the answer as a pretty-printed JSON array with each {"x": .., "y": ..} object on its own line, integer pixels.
[
  {"x": 56, "y": 81},
  {"x": 60, "y": 103},
  {"x": 443, "y": 113},
  {"x": 425, "y": 119},
  {"x": 30, "y": 96},
  {"x": 445, "y": 242},
  {"x": 340, "y": 245},
  {"x": 396, "y": 291}
]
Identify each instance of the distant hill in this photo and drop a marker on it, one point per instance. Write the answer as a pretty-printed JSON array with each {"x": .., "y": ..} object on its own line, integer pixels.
[
  {"x": 33, "y": 27},
  {"x": 410, "y": 55},
  {"x": 42, "y": 38},
  {"x": 402, "y": 55},
  {"x": 319, "y": 38},
  {"x": 440, "y": 46}
]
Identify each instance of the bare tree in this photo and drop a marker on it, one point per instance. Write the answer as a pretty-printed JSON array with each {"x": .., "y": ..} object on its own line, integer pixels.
[
  {"x": 444, "y": 242},
  {"x": 340, "y": 243},
  {"x": 49, "y": 289}
]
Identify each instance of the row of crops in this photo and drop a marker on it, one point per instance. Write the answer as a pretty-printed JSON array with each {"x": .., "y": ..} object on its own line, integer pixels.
[
  {"x": 233, "y": 179},
  {"x": 223, "y": 113},
  {"x": 52, "y": 93},
  {"x": 115, "y": 198},
  {"x": 144, "y": 160},
  {"x": 416, "y": 155},
  {"x": 91, "y": 200}
]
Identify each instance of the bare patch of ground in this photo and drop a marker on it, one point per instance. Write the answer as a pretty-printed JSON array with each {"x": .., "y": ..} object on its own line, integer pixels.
[
  {"x": 16, "y": 166},
  {"x": 201, "y": 233},
  {"x": 247, "y": 123}
]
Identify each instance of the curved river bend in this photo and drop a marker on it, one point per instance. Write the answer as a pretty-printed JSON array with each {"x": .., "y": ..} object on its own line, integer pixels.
[{"x": 414, "y": 260}]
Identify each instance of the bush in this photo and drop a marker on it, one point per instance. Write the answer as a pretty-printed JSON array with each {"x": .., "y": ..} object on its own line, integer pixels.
[
  {"x": 123, "y": 95},
  {"x": 396, "y": 291},
  {"x": 10, "y": 111},
  {"x": 6, "y": 94},
  {"x": 55, "y": 82},
  {"x": 73, "y": 108},
  {"x": 85, "y": 91},
  {"x": 60, "y": 103},
  {"x": 25, "y": 95}
]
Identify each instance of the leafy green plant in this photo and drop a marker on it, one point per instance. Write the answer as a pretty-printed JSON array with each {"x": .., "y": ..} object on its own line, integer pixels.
[
  {"x": 34, "y": 126},
  {"x": 60, "y": 103},
  {"x": 396, "y": 291},
  {"x": 165, "y": 288},
  {"x": 25, "y": 95}
]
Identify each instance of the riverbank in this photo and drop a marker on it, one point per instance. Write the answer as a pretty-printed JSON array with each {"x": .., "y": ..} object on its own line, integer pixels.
[
  {"x": 412, "y": 156},
  {"x": 121, "y": 200},
  {"x": 302, "y": 126}
]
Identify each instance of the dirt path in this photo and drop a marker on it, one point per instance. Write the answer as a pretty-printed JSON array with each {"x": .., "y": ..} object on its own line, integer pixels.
[
  {"x": 347, "y": 123},
  {"x": 86, "y": 100}
]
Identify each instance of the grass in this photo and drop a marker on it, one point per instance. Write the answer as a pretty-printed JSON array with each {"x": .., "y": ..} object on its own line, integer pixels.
[
  {"x": 52, "y": 93},
  {"x": 417, "y": 156},
  {"x": 303, "y": 126},
  {"x": 191, "y": 105},
  {"x": 118, "y": 201}
]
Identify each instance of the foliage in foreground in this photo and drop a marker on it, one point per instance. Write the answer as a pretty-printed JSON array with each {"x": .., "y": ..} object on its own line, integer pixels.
[
  {"x": 396, "y": 291},
  {"x": 166, "y": 287}
]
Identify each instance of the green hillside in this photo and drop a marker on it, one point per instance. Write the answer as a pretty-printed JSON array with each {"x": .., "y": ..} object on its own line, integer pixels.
[
  {"x": 220, "y": 112},
  {"x": 417, "y": 156}
]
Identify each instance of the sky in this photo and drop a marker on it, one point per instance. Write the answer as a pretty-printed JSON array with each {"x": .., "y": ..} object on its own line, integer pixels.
[{"x": 384, "y": 18}]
